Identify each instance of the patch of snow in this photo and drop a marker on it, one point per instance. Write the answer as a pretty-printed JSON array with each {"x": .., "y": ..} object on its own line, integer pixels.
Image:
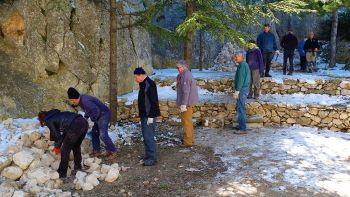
[{"x": 197, "y": 74}]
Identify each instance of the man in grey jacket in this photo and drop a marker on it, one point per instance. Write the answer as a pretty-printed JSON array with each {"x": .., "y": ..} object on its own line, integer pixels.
[{"x": 187, "y": 97}]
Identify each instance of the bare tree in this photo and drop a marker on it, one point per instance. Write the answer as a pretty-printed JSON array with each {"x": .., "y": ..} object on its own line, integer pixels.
[
  {"x": 332, "y": 61},
  {"x": 188, "y": 43}
]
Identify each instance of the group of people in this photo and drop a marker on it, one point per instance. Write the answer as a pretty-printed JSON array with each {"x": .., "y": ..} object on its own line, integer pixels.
[{"x": 68, "y": 129}]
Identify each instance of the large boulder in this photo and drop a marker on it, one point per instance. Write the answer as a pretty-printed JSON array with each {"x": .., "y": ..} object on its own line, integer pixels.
[
  {"x": 12, "y": 172},
  {"x": 23, "y": 159}
]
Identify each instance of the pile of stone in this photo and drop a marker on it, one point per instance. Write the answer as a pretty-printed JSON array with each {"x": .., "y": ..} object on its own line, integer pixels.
[
  {"x": 29, "y": 167},
  {"x": 224, "y": 62}
]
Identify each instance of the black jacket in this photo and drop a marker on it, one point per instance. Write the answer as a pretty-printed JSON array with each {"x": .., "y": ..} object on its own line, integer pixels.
[
  {"x": 311, "y": 44},
  {"x": 289, "y": 42},
  {"x": 59, "y": 122},
  {"x": 148, "y": 99}
]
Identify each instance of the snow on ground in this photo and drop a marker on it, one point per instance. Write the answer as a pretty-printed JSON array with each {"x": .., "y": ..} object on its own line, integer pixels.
[
  {"x": 283, "y": 159},
  {"x": 305, "y": 99},
  {"x": 338, "y": 71},
  {"x": 204, "y": 74}
]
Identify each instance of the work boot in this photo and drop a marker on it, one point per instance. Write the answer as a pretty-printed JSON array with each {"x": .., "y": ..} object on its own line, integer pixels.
[
  {"x": 149, "y": 162},
  {"x": 240, "y": 132},
  {"x": 95, "y": 153}
]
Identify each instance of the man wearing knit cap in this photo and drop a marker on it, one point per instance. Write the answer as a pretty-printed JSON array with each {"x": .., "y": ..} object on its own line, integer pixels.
[
  {"x": 148, "y": 110},
  {"x": 187, "y": 97},
  {"x": 100, "y": 114}
]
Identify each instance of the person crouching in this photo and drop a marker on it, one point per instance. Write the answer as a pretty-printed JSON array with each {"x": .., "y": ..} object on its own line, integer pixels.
[{"x": 68, "y": 130}]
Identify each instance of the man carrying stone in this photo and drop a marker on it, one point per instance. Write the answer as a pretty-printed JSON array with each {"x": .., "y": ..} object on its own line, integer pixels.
[
  {"x": 68, "y": 130},
  {"x": 289, "y": 43},
  {"x": 266, "y": 41},
  {"x": 186, "y": 98},
  {"x": 100, "y": 114},
  {"x": 242, "y": 82},
  {"x": 148, "y": 110}
]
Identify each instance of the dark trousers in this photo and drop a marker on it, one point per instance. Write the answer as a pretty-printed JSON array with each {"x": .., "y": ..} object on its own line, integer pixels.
[
  {"x": 288, "y": 55},
  {"x": 267, "y": 58},
  {"x": 303, "y": 63},
  {"x": 100, "y": 130},
  {"x": 72, "y": 141},
  {"x": 148, "y": 139}
]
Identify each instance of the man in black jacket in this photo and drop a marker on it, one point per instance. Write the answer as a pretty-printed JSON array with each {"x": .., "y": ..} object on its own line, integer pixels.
[
  {"x": 311, "y": 47},
  {"x": 68, "y": 130},
  {"x": 148, "y": 110},
  {"x": 289, "y": 43}
]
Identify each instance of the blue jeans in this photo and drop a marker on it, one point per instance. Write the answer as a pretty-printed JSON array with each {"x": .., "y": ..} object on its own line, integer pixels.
[
  {"x": 100, "y": 130},
  {"x": 241, "y": 111},
  {"x": 148, "y": 139}
]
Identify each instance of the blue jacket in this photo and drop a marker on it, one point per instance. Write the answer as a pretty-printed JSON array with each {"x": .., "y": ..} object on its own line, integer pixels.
[
  {"x": 255, "y": 60},
  {"x": 266, "y": 41},
  {"x": 93, "y": 107},
  {"x": 301, "y": 48}
]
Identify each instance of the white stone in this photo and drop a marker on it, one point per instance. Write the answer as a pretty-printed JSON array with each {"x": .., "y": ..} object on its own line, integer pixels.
[
  {"x": 55, "y": 165},
  {"x": 35, "y": 164},
  {"x": 25, "y": 139},
  {"x": 34, "y": 136},
  {"x": 64, "y": 194},
  {"x": 41, "y": 144},
  {"x": 15, "y": 148},
  {"x": 41, "y": 174},
  {"x": 12, "y": 172},
  {"x": 4, "y": 162},
  {"x": 98, "y": 161},
  {"x": 34, "y": 190},
  {"x": 105, "y": 168},
  {"x": 112, "y": 175},
  {"x": 47, "y": 159},
  {"x": 93, "y": 167},
  {"x": 46, "y": 133},
  {"x": 345, "y": 85},
  {"x": 345, "y": 92},
  {"x": 89, "y": 161},
  {"x": 92, "y": 179},
  {"x": 54, "y": 175},
  {"x": 87, "y": 187},
  {"x": 8, "y": 121},
  {"x": 23, "y": 159},
  {"x": 7, "y": 189},
  {"x": 20, "y": 193}
]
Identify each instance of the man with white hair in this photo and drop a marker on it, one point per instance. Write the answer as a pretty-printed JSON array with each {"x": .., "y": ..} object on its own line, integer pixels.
[
  {"x": 187, "y": 97},
  {"x": 242, "y": 83}
]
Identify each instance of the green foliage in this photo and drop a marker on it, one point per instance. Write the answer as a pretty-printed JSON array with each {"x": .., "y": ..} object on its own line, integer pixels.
[
  {"x": 343, "y": 27},
  {"x": 218, "y": 17},
  {"x": 327, "y": 6}
]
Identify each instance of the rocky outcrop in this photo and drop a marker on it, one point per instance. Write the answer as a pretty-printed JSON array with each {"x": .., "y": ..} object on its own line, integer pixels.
[{"x": 48, "y": 46}]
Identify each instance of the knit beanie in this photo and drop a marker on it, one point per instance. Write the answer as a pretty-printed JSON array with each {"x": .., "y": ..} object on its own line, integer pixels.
[
  {"x": 139, "y": 71},
  {"x": 73, "y": 93}
]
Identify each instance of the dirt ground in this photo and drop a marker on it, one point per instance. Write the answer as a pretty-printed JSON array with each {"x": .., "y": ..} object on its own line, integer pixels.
[{"x": 180, "y": 171}]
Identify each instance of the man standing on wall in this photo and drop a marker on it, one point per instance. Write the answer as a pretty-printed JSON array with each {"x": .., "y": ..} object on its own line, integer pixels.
[
  {"x": 148, "y": 110},
  {"x": 266, "y": 41},
  {"x": 187, "y": 97},
  {"x": 242, "y": 82},
  {"x": 100, "y": 114},
  {"x": 289, "y": 43}
]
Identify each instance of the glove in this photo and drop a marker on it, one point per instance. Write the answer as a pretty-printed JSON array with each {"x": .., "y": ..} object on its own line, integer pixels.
[
  {"x": 56, "y": 150},
  {"x": 236, "y": 95},
  {"x": 183, "y": 108},
  {"x": 150, "y": 121}
]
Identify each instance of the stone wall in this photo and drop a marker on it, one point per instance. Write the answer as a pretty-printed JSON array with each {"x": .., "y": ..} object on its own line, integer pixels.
[
  {"x": 272, "y": 86},
  {"x": 220, "y": 114},
  {"x": 47, "y": 46}
]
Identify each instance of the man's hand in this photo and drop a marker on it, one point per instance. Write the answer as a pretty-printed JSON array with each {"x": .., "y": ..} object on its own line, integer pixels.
[
  {"x": 56, "y": 150},
  {"x": 236, "y": 95},
  {"x": 183, "y": 108},
  {"x": 150, "y": 121}
]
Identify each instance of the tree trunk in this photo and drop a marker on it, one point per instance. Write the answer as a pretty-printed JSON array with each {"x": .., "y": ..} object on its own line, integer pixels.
[
  {"x": 113, "y": 73},
  {"x": 332, "y": 61},
  {"x": 201, "y": 50},
  {"x": 189, "y": 36}
]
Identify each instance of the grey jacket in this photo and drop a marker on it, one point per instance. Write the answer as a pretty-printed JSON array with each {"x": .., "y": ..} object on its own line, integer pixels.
[{"x": 187, "y": 91}]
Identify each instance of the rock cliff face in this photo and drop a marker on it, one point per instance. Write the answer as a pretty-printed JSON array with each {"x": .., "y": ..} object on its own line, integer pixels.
[{"x": 47, "y": 46}]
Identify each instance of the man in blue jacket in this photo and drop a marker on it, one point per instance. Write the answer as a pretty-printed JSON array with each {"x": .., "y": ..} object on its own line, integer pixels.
[
  {"x": 100, "y": 114},
  {"x": 302, "y": 55},
  {"x": 266, "y": 41}
]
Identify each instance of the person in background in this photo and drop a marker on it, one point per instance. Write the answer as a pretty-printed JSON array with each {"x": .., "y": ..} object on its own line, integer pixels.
[
  {"x": 186, "y": 98},
  {"x": 311, "y": 47},
  {"x": 256, "y": 65},
  {"x": 68, "y": 130},
  {"x": 289, "y": 43},
  {"x": 100, "y": 114},
  {"x": 148, "y": 110},
  {"x": 242, "y": 82},
  {"x": 302, "y": 55},
  {"x": 266, "y": 42}
]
